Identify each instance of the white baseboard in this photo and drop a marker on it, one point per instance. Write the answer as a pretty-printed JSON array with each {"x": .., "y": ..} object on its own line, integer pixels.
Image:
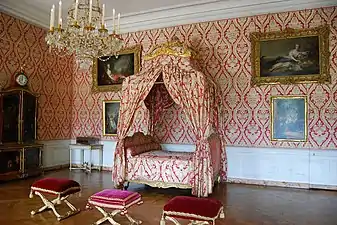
[
  {"x": 268, "y": 183},
  {"x": 324, "y": 187},
  {"x": 58, "y": 167}
]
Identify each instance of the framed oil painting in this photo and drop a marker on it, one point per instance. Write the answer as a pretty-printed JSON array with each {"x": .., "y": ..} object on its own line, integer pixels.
[
  {"x": 108, "y": 74},
  {"x": 289, "y": 118},
  {"x": 291, "y": 56},
  {"x": 110, "y": 117}
]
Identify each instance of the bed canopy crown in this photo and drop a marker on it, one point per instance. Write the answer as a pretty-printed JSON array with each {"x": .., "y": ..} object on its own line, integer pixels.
[{"x": 173, "y": 48}]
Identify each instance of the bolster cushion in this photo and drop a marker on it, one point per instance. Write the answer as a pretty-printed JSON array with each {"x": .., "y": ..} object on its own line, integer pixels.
[{"x": 139, "y": 149}]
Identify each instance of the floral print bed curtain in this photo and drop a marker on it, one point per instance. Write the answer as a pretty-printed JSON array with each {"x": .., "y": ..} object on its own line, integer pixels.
[{"x": 188, "y": 88}]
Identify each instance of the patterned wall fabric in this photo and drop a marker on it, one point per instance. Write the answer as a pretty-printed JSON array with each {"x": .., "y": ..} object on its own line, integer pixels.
[
  {"x": 49, "y": 76},
  {"x": 224, "y": 51}
]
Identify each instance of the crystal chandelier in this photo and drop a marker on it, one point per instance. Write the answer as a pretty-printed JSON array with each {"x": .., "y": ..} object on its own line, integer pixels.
[{"x": 86, "y": 34}]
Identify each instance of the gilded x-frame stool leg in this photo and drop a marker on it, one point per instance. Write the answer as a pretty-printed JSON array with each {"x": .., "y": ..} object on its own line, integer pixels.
[
  {"x": 176, "y": 222},
  {"x": 109, "y": 217},
  {"x": 51, "y": 205}
]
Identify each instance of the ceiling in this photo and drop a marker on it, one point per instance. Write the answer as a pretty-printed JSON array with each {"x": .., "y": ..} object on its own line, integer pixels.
[{"x": 139, "y": 15}]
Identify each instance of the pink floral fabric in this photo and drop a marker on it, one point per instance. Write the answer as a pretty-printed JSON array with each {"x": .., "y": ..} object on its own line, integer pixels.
[
  {"x": 133, "y": 94},
  {"x": 198, "y": 97},
  {"x": 161, "y": 166},
  {"x": 157, "y": 102}
]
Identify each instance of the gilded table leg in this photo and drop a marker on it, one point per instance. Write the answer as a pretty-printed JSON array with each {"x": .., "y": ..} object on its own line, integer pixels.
[
  {"x": 70, "y": 159},
  {"x": 100, "y": 159},
  {"x": 90, "y": 158}
]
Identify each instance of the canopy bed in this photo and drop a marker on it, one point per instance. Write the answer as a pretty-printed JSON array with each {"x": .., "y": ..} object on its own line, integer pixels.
[{"x": 139, "y": 158}]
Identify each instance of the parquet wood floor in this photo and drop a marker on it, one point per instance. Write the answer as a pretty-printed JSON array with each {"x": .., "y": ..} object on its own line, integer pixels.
[{"x": 244, "y": 204}]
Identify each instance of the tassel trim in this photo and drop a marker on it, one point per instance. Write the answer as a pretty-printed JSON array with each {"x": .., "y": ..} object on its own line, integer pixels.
[
  {"x": 222, "y": 215},
  {"x": 88, "y": 207}
]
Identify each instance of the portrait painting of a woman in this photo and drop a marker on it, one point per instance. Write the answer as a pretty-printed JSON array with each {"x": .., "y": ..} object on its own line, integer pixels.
[
  {"x": 114, "y": 70},
  {"x": 290, "y": 56},
  {"x": 109, "y": 72},
  {"x": 110, "y": 117},
  {"x": 297, "y": 56}
]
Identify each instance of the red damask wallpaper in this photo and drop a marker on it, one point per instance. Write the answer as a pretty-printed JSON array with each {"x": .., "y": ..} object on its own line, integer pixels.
[
  {"x": 68, "y": 105},
  {"x": 224, "y": 49},
  {"x": 49, "y": 76}
]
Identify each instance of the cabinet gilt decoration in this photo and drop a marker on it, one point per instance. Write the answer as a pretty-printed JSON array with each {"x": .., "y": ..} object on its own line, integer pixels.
[{"x": 20, "y": 155}]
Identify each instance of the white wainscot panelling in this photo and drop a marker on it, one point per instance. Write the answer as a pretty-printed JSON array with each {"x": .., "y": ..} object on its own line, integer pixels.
[
  {"x": 302, "y": 168},
  {"x": 178, "y": 147},
  {"x": 323, "y": 169},
  {"x": 108, "y": 154},
  {"x": 55, "y": 153},
  {"x": 268, "y": 166}
]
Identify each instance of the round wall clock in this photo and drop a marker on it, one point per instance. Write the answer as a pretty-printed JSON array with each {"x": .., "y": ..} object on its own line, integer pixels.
[{"x": 21, "y": 79}]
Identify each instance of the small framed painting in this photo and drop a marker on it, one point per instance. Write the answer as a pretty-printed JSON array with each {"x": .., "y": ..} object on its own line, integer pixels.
[
  {"x": 291, "y": 56},
  {"x": 289, "y": 118},
  {"x": 109, "y": 72},
  {"x": 110, "y": 117}
]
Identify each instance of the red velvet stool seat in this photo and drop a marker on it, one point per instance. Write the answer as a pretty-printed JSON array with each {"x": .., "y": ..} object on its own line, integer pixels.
[
  {"x": 118, "y": 201},
  {"x": 62, "y": 188},
  {"x": 197, "y": 210}
]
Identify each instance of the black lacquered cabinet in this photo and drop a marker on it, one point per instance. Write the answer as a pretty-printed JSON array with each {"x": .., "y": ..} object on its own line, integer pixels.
[
  {"x": 19, "y": 114},
  {"x": 20, "y": 161},
  {"x": 20, "y": 155}
]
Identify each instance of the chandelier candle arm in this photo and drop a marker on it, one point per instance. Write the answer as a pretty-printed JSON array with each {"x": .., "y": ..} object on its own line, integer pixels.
[
  {"x": 87, "y": 42},
  {"x": 103, "y": 14},
  {"x": 90, "y": 12},
  {"x": 52, "y": 17},
  {"x": 60, "y": 14},
  {"x": 76, "y": 10},
  {"x": 113, "y": 21},
  {"x": 118, "y": 18}
]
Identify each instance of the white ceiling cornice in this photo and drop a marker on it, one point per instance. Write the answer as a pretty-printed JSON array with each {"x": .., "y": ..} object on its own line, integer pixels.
[
  {"x": 29, "y": 14},
  {"x": 212, "y": 10},
  {"x": 199, "y": 11}
]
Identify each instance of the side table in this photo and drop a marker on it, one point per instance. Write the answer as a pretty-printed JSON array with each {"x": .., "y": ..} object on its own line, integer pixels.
[{"x": 87, "y": 166}]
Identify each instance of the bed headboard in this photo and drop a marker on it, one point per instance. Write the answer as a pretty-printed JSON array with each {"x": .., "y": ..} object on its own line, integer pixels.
[{"x": 139, "y": 143}]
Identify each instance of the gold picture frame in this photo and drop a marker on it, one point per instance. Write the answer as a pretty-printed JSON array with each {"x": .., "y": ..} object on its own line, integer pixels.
[
  {"x": 290, "y": 56},
  {"x": 289, "y": 115},
  {"x": 110, "y": 117},
  {"x": 108, "y": 75}
]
